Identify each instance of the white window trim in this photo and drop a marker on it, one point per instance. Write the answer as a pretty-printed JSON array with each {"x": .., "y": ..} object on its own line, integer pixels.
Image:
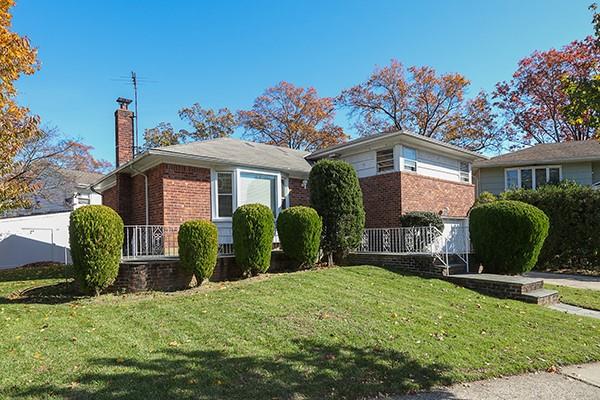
[
  {"x": 215, "y": 193},
  {"x": 533, "y": 168},
  {"x": 403, "y": 160},
  {"x": 236, "y": 195},
  {"x": 470, "y": 172}
]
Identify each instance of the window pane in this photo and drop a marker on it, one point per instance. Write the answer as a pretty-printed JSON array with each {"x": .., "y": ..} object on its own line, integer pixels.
[
  {"x": 540, "y": 177},
  {"x": 512, "y": 179},
  {"x": 385, "y": 160},
  {"x": 554, "y": 176},
  {"x": 258, "y": 188},
  {"x": 410, "y": 165},
  {"x": 224, "y": 183},
  {"x": 527, "y": 179},
  {"x": 409, "y": 153},
  {"x": 225, "y": 205}
]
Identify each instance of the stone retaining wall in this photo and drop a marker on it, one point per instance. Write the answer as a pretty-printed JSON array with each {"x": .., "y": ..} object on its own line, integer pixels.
[{"x": 420, "y": 264}]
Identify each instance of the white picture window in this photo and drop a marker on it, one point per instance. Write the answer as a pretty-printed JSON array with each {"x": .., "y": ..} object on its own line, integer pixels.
[
  {"x": 385, "y": 160},
  {"x": 531, "y": 177},
  {"x": 410, "y": 158},
  {"x": 258, "y": 188},
  {"x": 465, "y": 171},
  {"x": 224, "y": 194}
]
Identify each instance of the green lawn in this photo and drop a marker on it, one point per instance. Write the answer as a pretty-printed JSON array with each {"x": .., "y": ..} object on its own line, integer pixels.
[
  {"x": 331, "y": 333},
  {"x": 585, "y": 298}
]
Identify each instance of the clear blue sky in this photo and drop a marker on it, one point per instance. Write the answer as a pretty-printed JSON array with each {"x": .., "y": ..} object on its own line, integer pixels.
[{"x": 224, "y": 54}]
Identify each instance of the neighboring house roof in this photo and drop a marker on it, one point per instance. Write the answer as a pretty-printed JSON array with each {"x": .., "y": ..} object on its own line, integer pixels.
[
  {"x": 80, "y": 178},
  {"x": 242, "y": 152},
  {"x": 546, "y": 153},
  {"x": 407, "y": 135}
]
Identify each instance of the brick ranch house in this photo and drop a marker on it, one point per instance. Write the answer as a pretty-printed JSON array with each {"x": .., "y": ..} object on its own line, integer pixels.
[{"x": 398, "y": 171}]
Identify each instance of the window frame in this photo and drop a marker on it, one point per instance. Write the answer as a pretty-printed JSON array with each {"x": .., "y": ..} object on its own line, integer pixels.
[
  {"x": 390, "y": 167},
  {"x": 411, "y": 161},
  {"x": 533, "y": 168},
  {"x": 216, "y": 216},
  {"x": 464, "y": 174}
]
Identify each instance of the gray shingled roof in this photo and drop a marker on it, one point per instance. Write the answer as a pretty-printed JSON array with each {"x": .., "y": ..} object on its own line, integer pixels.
[
  {"x": 241, "y": 152},
  {"x": 80, "y": 177},
  {"x": 588, "y": 150}
]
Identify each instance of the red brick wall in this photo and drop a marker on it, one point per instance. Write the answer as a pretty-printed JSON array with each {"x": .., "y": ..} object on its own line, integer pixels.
[
  {"x": 155, "y": 197},
  {"x": 109, "y": 198},
  {"x": 124, "y": 203},
  {"x": 186, "y": 193},
  {"x": 298, "y": 195},
  {"x": 381, "y": 198},
  {"x": 423, "y": 193}
]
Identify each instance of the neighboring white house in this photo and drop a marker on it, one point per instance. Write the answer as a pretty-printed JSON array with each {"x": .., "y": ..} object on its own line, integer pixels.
[{"x": 41, "y": 233}]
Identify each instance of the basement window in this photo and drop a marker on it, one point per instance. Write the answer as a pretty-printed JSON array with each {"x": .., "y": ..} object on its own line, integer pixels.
[{"x": 385, "y": 160}]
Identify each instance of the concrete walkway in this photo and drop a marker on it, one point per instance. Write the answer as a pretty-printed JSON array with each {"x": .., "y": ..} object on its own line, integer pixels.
[
  {"x": 575, "y": 382},
  {"x": 574, "y": 281},
  {"x": 569, "y": 309}
]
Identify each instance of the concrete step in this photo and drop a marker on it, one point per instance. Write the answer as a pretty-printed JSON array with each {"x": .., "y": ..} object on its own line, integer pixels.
[
  {"x": 499, "y": 285},
  {"x": 541, "y": 296}
]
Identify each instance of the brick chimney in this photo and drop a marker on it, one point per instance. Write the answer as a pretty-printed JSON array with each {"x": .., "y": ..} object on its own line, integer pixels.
[{"x": 124, "y": 132}]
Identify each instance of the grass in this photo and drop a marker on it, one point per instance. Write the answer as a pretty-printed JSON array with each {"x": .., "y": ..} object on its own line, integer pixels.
[
  {"x": 332, "y": 333},
  {"x": 585, "y": 298}
]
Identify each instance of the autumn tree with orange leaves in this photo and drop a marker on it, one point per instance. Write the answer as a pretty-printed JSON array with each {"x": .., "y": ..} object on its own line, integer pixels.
[
  {"x": 294, "y": 117},
  {"x": 420, "y": 100},
  {"x": 535, "y": 102},
  {"x": 17, "y": 126}
]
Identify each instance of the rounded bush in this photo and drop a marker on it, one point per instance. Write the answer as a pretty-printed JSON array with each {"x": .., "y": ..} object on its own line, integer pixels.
[
  {"x": 299, "y": 230},
  {"x": 336, "y": 195},
  {"x": 198, "y": 248},
  {"x": 422, "y": 218},
  {"x": 508, "y": 235},
  {"x": 253, "y": 232},
  {"x": 484, "y": 198},
  {"x": 96, "y": 239}
]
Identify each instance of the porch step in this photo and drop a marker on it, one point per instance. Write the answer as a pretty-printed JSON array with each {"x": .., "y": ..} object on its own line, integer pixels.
[
  {"x": 513, "y": 287},
  {"x": 541, "y": 296}
]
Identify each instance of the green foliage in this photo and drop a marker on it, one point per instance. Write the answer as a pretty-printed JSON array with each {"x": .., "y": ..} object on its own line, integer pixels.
[
  {"x": 253, "y": 232},
  {"x": 198, "y": 248},
  {"x": 484, "y": 198},
  {"x": 96, "y": 239},
  {"x": 335, "y": 194},
  {"x": 573, "y": 240},
  {"x": 508, "y": 235},
  {"x": 422, "y": 218},
  {"x": 299, "y": 230}
]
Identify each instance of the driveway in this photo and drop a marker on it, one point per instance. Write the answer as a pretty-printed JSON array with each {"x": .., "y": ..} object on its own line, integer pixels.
[
  {"x": 574, "y": 281},
  {"x": 580, "y": 382}
]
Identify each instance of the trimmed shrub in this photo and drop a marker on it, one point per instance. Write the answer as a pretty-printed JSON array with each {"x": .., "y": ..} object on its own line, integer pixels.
[
  {"x": 422, "y": 218},
  {"x": 573, "y": 240},
  {"x": 484, "y": 198},
  {"x": 198, "y": 248},
  {"x": 508, "y": 235},
  {"x": 299, "y": 230},
  {"x": 335, "y": 194},
  {"x": 253, "y": 232},
  {"x": 96, "y": 239}
]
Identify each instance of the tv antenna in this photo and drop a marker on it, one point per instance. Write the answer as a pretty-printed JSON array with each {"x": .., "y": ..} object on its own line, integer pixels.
[{"x": 135, "y": 81}]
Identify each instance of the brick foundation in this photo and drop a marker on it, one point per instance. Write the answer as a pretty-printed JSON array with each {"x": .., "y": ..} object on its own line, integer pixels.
[
  {"x": 167, "y": 275},
  {"x": 418, "y": 264}
]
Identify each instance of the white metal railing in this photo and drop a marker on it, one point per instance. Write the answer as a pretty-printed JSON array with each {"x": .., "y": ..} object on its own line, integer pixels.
[
  {"x": 157, "y": 241},
  {"x": 454, "y": 241}
]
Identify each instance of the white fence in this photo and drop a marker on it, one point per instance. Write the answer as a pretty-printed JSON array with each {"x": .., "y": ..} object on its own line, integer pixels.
[{"x": 158, "y": 241}]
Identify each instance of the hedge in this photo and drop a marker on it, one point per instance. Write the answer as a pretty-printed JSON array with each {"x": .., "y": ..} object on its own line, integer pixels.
[
  {"x": 253, "y": 232},
  {"x": 198, "y": 248},
  {"x": 335, "y": 194},
  {"x": 574, "y": 212},
  {"x": 422, "y": 218},
  {"x": 508, "y": 235},
  {"x": 96, "y": 240},
  {"x": 299, "y": 230}
]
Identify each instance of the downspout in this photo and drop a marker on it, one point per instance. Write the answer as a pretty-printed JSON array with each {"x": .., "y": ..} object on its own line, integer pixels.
[{"x": 145, "y": 190}]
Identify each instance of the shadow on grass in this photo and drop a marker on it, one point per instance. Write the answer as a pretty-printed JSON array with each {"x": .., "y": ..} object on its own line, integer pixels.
[
  {"x": 311, "y": 371},
  {"x": 58, "y": 293},
  {"x": 44, "y": 271}
]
